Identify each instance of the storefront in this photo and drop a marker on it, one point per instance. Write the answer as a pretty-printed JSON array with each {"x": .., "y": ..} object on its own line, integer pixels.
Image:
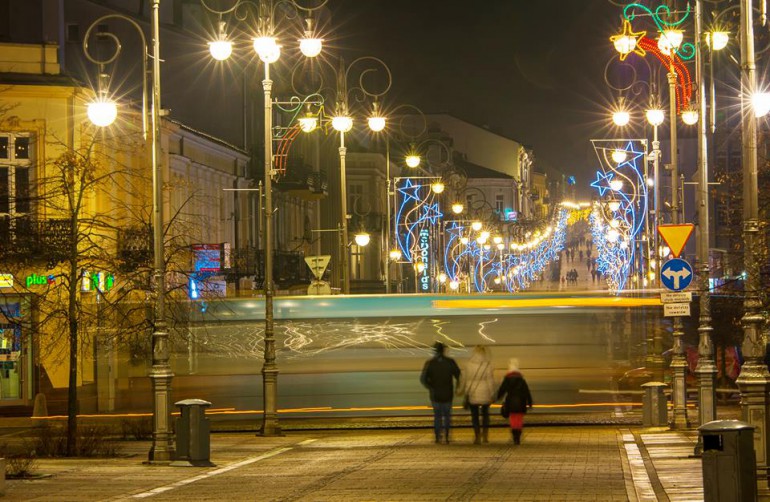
[{"x": 16, "y": 351}]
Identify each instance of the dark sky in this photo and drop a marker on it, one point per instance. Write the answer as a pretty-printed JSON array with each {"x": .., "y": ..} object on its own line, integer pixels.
[{"x": 531, "y": 70}]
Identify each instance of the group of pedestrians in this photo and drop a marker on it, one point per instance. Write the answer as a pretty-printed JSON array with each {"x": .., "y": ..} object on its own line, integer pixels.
[{"x": 478, "y": 386}]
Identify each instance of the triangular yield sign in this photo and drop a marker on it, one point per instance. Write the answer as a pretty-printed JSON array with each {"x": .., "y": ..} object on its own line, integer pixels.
[
  {"x": 318, "y": 264},
  {"x": 676, "y": 236}
]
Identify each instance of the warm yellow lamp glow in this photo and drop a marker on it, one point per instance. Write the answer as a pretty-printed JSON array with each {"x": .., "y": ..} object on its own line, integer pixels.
[
  {"x": 267, "y": 49},
  {"x": 220, "y": 49},
  {"x": 376, "y": 123},
  {"x": 308, "y": 124},
  {"x": 457, "y": 208},
  {"x": 621, "y": 118},
  {"x": 619, "y": 156},
  {"x": 437, "y": 187},
  {"x": 362, "y": 239},
  {"x": 412, "y": 160},
  {"x": 310, "y": 46},
  {"x": 655, "y": 116},
  {"x": 342, "y": 123},
  {"x": 102, "y": 112},
  {"x": 395, "y": 254}
]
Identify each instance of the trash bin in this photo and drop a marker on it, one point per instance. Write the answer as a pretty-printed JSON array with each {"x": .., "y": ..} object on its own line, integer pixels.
[
  {"x": 192, "y": 434},
  {"x": 654, "y": 405},
  {"x": 729, "y": 464}
]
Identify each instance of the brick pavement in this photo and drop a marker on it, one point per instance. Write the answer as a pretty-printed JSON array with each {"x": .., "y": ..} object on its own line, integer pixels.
[{"x": 567, "y": 463}]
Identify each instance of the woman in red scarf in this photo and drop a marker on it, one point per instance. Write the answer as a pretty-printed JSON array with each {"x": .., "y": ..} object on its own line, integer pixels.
[{"x": 517, "y": 398}]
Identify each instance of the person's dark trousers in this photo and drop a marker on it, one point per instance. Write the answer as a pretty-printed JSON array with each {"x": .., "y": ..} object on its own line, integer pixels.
[
  {"x": 442, "y": 420},
  {"x": 480, "y": 430}
]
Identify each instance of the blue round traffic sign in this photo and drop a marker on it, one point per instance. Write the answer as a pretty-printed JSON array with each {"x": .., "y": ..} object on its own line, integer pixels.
[{"x": 676, "y": 274}]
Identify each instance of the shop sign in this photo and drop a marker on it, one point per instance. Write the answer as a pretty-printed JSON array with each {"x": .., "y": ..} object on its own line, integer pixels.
[
  {"x": 6, "y": 280},
  {"x": 39, "y": 280},
  {"x": 103, "y": 281}
]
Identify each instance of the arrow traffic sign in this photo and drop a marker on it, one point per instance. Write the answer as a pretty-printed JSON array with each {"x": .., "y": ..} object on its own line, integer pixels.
[
  {"x": 676, "y": 236},
  {"x": 676, "y": 274}
]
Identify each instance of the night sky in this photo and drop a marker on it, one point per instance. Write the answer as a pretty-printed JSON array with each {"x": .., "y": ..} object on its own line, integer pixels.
[{"x": 530, "y": 70}]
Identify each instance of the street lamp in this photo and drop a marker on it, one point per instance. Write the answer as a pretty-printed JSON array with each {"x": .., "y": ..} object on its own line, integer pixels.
[
  {"x": 754, "y": 380},
  {"x": 268, "y": 49},
  {"x": 103, "y": 113}
]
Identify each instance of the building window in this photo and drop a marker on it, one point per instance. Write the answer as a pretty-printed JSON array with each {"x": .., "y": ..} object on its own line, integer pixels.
[
  {"x": 15, "y": 166},
  {"x": 355, "y": 194},
  {"x": 73, "y": 33},
  {"x": 499, "y": 203}
]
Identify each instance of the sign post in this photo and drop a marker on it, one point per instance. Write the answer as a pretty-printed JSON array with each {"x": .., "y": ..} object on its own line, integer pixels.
[{"x": 676, "y": 274}]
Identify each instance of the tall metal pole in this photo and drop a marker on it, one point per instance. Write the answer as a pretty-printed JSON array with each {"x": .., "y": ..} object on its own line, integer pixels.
[
  {"x": 657, "y": 336},
  {"x": 678, "y": 362},
  {"x": 270, "y": 426},
  {"x": 386, "y": 251},
  {"x": 344, "y": 218},
  {"x": 754, "y": 379},
  {"x": 706, "y": 369},
  {"x": 162, "y": 449}
]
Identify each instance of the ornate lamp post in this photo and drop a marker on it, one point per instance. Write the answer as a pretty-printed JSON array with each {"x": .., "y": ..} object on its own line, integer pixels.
[
  {"x": 268, "y": 49},
  {"x": 754, "y": 380},
  {"x": 102, "y": 113}
]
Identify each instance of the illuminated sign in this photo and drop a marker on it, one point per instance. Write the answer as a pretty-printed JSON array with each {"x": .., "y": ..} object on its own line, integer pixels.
[
  {"x": 6, "y": 280},
  {"x": 102, "y": 281},
  {"x": 424, "y": 243},
  {"x": 39, "y": 280},
  {"x": 511, "y": 215},
  {"x": 207, "y": 257}
]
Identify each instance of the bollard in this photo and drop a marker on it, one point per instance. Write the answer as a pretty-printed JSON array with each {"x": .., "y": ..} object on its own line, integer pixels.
[
  {"x": 655, "y": 405},
  {"x": 192, "y": 434},
  {"x": 728, "y": 461}
]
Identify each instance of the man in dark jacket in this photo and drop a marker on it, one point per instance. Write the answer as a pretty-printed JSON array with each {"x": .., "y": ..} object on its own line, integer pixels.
[{"x": 437, "y": 375}]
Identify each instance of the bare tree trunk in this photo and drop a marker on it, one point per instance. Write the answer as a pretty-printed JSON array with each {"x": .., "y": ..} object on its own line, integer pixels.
[{"x": 72, "y": 321}]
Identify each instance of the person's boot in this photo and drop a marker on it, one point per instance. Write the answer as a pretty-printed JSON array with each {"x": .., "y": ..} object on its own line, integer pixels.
[
  {"x": 485, "y": 435},
  {"x": 476, "y": 435},
  {"x": 516, "y": 436},
  {"x": 446, "y": 437}
]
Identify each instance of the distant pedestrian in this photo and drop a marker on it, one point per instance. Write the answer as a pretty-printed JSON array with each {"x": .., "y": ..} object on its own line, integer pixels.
[
  {"x": 517, "y": 398},
  {"x": 439, "y": 375},
  {"x": 478, "y": 385}
]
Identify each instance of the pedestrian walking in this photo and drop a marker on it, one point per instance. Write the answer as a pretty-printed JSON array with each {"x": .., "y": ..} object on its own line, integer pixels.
[
  {"x": 439, "y": 375},
  {"x": 478, "y": 386},
  {"x": 517, "y": 398}
]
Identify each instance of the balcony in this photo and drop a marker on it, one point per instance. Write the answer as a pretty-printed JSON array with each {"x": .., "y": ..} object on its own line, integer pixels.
[
  {"x": 134, "y": 247},
  {"x": 25, "y": 240},
  {"x": 302, "y": 181}
]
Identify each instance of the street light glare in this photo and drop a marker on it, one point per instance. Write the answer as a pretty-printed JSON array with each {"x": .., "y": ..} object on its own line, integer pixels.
[
  {"x": 308, "y": 124},
  {"x": 102, "y": 112},
  {"x": 619, "y": 156},
  {"x": 362, "y": 239},
  {"x": 220, "y": 49},
  {"x": 690, "y": 116},
  {"x": 616, "y": 185},
  {"x": 310, "y": 47},
  {"x": 621, "y": 118},
  {"x": 761, "y": 103},
  {"x": 267, "y": 49},
  {"x": 625, "y": 44},
  {"x": 437, "y": 187},
  {"x": 395, "y": 254},
  {"x": 655, "y": 117},
  {"x": 476, "y": 226},
  {"x": 717, "y": 40},
  {"x": 412, "y": 160},
  {"x": 457, "y": 208},
  {"x": 342, "y": 123},
  {"x": 376, "y": 123}
]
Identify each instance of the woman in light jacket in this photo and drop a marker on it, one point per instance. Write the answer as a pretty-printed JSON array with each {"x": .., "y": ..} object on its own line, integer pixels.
[
  {"x": 517, "y": 398},
  {"x": 479, "y": 387}
]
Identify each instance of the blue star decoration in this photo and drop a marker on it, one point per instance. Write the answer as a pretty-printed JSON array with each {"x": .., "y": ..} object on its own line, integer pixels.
[
  {"x": 431, "y": 213},
  {"x": 631, "y": 157},
  {"x": 410, "y": 191},
  {"x": 602, "y": 182}
]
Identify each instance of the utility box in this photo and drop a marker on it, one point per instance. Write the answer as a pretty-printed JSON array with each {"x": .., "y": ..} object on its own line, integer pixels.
[
  {"x": 654, "y": 405},
  {"x": 729, "y": 462},
  {"x": 192, "y": 434}
]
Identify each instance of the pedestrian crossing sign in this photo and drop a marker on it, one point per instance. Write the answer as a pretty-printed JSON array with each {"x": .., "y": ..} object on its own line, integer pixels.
[{"x": 676, "y": 236}]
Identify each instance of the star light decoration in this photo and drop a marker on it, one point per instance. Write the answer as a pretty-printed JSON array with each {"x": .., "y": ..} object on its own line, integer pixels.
[
  {"x": 617, "y": 221},
  {"x": 513, "y": 265},
  {"x": 416, "y": 208},
  {"x": 627, "y": 41}
]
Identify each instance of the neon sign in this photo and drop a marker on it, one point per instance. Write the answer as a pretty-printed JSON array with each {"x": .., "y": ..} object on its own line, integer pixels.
[{"x": 39, "y": 280}]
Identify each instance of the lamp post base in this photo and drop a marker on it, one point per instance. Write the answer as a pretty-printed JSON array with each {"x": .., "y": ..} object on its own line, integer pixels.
[{"x": 679, "y": 416}]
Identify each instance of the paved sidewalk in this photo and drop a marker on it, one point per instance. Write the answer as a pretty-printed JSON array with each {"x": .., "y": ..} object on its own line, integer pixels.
[{"x": 565, "y": 463}]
